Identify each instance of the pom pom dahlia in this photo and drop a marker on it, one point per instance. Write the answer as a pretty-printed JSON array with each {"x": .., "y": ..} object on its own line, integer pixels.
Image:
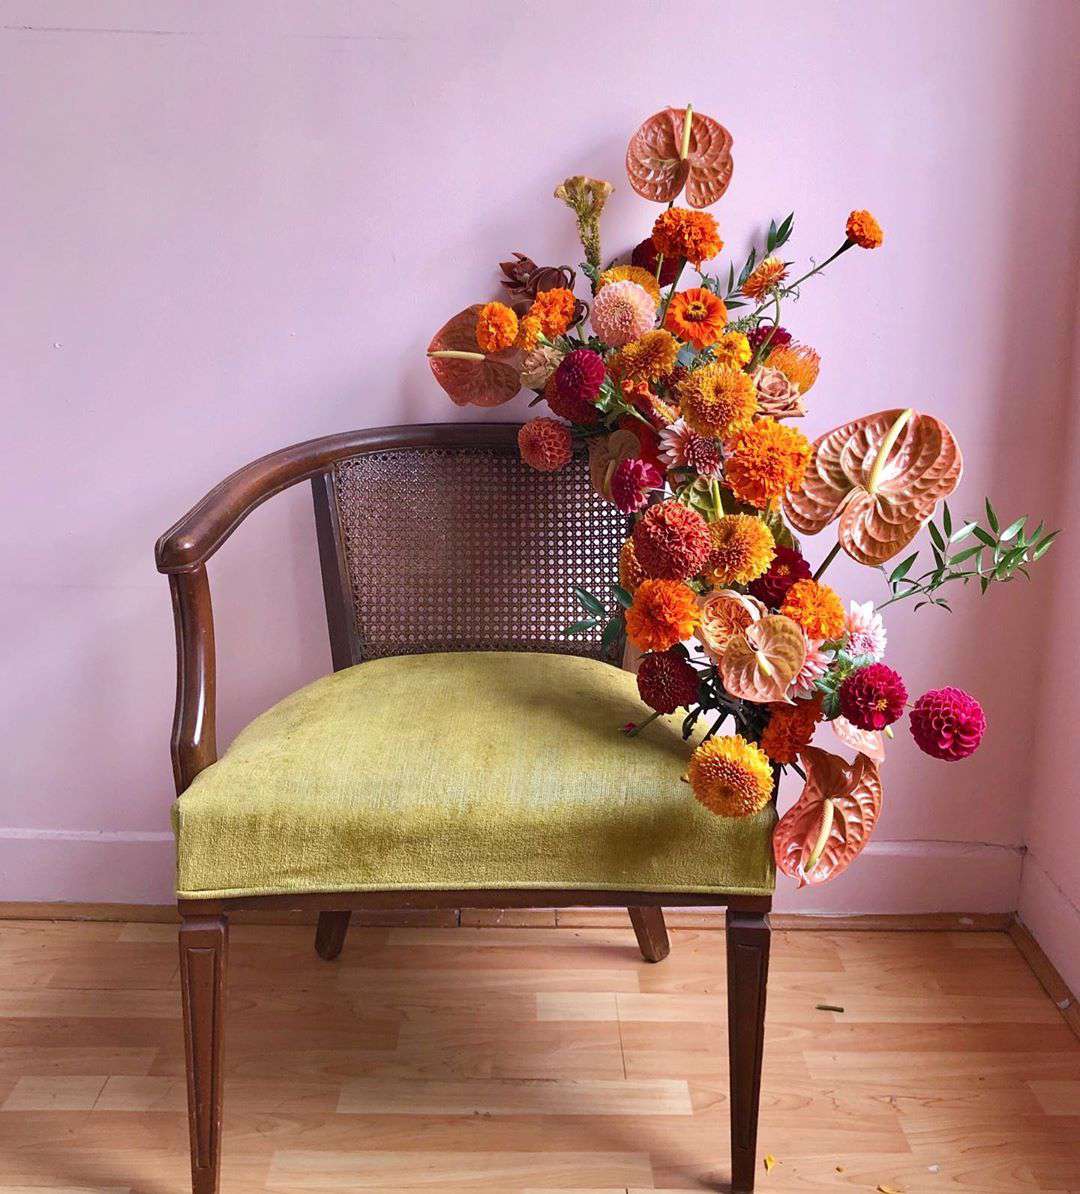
[
  {"x": 866, "y": 631},
  {"x": 632, "y": 482},
  {"x": 663, "y": 613},
  {"x": 623, "y": 311},
  {"x": 716, "y": 399},
  {"x": 680, "y": 233},
  {"x": 741, "y": 549},
  {"x": 696, "y": 316},
  {"x": 766, "y": 458},
  {"x": 648, "y": 358},
  {"x": 646, "y": 256},
  {"x": 816, "y": 608},
  {"x": 947, "y": 723},
  {"x": 787, "y": 567},
  {"x": 645, "y": 278},
  {"x": 672, "y": 541},
  {"x": 730, "y": 776},
  {"x": 873, "y": 697},
  {"x": 864, "y": 230},
  {"x": 733, "y": 348},
  {"x": 682, "y": 448},
  {"x": 545, "y": 445},
  {"x": 666, "y": 681},
  {"x": 580, "y": 375}
]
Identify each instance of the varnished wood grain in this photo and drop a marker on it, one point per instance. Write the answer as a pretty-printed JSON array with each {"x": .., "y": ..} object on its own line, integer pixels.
[{"x": 541, "y": 1060}]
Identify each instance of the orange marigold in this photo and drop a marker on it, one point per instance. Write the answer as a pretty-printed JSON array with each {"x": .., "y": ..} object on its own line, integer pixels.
[
  {"x": 555, "y": 310},
  {"x": 696, "y": 316},
  {"x": 790, "y": 728},
  {"x": 816, "y": 608},
  {"x": 799, "y": 363},
  {"x": 528, "y": 333},
  {"x": 733, "y": 348},
  {"x": 765, "y": 458},
  {"x": 715, "y": 400},
  {"x": 631, "y": 573},
  {"x": 764, "y": 277},
  {"x": 742, "y": 550},
  {"x": 664, "y": 613},
  {"x": 630, "y": 273},
  {"x": 730, "y": 776},
  {"x": 681, "y": 233},
  {"x": 496, "y": 327},
  {"x": 648, "y": 358},
  {"x": 864, "y": 230}
]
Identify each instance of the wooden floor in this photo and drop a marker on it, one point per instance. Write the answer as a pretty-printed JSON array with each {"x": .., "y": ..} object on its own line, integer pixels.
[{"x": 534, "y": 1059}]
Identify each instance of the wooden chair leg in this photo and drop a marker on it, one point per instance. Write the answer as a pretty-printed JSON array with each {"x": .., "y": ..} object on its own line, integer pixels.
[
  {"x": 651, "y": 932},
  {"x": 748, "y": 936},
  {"x": 203, "y": 957},
  {"x": 330, "y": 934}
]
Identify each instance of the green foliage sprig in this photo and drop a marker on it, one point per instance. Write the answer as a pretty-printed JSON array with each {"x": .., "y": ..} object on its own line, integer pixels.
[
  {"x": 778, "y": 235},
  {"x": 614, "y": 625}
]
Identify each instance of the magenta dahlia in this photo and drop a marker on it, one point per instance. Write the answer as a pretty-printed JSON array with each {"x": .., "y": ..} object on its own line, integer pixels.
[
  {"x": 787, "y": 567},
  {"x": 761, "y": 333},
  {"x": 632, "y": 482},
  {"x": 580, "y": 375},
  {"x": 873, "y": 697},
  {"x": 671, "y": 541},
  {"x": 947, "y": 723},
  {"x": 666, "y": 681}
]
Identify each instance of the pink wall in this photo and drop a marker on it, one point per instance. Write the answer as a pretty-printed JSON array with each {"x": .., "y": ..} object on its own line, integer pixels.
[{"x": 232, "y": 227}]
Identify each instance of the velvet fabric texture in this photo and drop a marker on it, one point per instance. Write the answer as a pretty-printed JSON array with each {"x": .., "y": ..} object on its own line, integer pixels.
[{"x": 461, "y": 770}]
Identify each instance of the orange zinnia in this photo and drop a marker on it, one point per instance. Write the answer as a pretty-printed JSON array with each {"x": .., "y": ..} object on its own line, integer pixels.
[
  {"x": 766, "y": 458},
  {"x": 664, "y": 613},
  {"x": 697, "y": 316},
  {"x": 765, "y": 276},
  {"x": 555, "y": 310},
  {"x": 684, "y": 234}
]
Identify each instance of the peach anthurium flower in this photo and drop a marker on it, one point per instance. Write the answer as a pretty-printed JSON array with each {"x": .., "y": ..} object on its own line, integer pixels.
[{"x": 760, "y": 664}]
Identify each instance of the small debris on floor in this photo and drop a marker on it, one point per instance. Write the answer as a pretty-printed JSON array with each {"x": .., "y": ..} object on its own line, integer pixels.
[
  {"x": 770, "y": 1161},
  {"x": 889, "y": 1190},
  {"x": 933, "y": 1168},
  {"x": 828, "y": 1007}
]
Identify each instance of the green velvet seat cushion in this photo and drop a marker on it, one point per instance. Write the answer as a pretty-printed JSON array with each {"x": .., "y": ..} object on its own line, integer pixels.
[{"x": 464, "y": 770}]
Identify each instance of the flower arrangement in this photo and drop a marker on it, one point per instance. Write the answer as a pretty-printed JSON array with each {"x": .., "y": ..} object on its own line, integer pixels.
[{"x": 685, "y": 397}]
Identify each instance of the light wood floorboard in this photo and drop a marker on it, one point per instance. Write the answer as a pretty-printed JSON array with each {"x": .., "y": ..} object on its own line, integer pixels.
[{"x": 521, "y": 1058}]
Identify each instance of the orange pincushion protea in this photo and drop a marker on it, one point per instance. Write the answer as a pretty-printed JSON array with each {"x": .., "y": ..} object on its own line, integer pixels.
[
  {"x": 680, "y": 233},
  {"x": 716, "y": 400},
  {"x": 742, "y": 549},
  {"x": 630, "y": 273},
  {"x": 731, "y": 777},
  {"x": 790, "y": 729},
  {"x": 664, "y": 613},
  {"x": 496, "y": 327},
  {"x": 765, "y": 276},
  {"x": 816, "y": 608},
  {"x": 646, "y": 359},
  {"x": 864, "y": 230},
  {"x": 555, "y": 310},
  {"x": 697, "y": 316},
  {"x": 766, "y": 458},
  {"x": 799, "y": 363}
]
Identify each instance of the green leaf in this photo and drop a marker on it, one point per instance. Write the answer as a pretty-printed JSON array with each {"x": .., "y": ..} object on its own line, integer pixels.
[
  {"x": 582, "y": 627},
  {"x": 1012, "y": 529},
  {"x": 935, "y": 534},
  {"x": 1044, "y": 546},
  {"x": 589, "y": 602},
  {"x": 770, "y": 240},
  {"x": 612, "y": 633},
  {"x": 962, "y": 533},
  {"x": 991, "y": 517},
  {"x": 946, "y": 519},
  {"x": 903, "y": 568},
  {"x": 731, "y": 304},
  {"x": 784, "y": 231},
  {"x": 984, "y": 537},
  {"x": 624, "y": 598},
  {"x": 966, "y": 554},
  {"x": 984, "y": 583}
]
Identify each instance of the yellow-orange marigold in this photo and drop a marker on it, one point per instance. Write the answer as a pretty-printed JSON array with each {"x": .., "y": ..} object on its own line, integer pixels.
[
  {"x": 733, "y": 348},
  {"x": 765, "y": 458},
  {"x": 630, "y": 273},
  {"x": 817, "y": 609},
  {"x": 697, "y": 316},
  {"x": 664, "y": 612},
  {"x": 864, "y": 230},
  {"x": 496, "y": 327},
  {"x": 631, "y": 573},
  {"x": 555, "y": 310},
  {"x": 790, "y": 728},
  {"x": 715, "y": 400},
  {"x": 764, "y": 277},
  {"x": 528, "y": 333},
  {"x": 799, "y": 363},
  {"x": 730, "y": 776},
  {"x": 648, "y": 358},
  {"x": 742, "y": 550},
  {"x": 680, "y": 232}
]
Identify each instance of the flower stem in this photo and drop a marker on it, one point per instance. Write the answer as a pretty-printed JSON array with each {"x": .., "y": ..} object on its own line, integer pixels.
[
  {"x": 671, "y": 292},
  {"x": 848, "y": 244},
  {"x": 641, "y": 725},
  {"x": 828, "y": 560}
]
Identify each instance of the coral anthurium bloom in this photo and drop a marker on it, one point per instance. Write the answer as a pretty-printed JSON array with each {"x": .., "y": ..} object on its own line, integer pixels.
[
  {"x": 760, "y": 664},
  {"x": 731, "y": 777},
  {"x": 663, "y": 613},
  {"x": 696, "y": 316},
  {"x": 725, "y": 614}
]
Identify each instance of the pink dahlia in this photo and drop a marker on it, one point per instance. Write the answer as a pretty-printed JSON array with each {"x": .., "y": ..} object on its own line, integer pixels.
[
  {"x": 672, "y": 541},
  {"x": 787, "y": 567},
  {"x": 666, "y": 681},
  {"x": 682, "y": 448},
  {"x": 873, "y": 697},
  {"x": 947, "y": 723},
  {"x": 545, "y": 445},
  {"x": 815, "y": 665},
  {"x": 632, "y": 482},
  {"x": 866, "y": 631},
  {"x": 580, "y": 375},
  {"x": 623, "y": 311}
]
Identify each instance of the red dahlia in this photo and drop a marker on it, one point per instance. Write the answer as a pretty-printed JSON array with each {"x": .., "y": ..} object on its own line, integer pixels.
[
  {"x": 580, "y": 375},
  {"x": 545, "y": 445},
  {"x": 671, "y": 541},
  {"x": 644, "y": 256},
  {"x": 666, "y": 681},
  {"x": 574, "y": 410},
  {"x": 761, "y": 333},
  {"x": 947, "y": 723},
  {"x": 632, "y": 482},
  {"x": 873, "y": 697},
  {"x": 787, "y": 567}
]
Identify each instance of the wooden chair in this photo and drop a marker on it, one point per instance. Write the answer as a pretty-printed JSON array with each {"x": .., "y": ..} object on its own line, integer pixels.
[{"x": 431, "y": 539}]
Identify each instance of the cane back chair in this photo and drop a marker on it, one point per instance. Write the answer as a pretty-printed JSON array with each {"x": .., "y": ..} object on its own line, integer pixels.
[{"x": 447, "y": 570}]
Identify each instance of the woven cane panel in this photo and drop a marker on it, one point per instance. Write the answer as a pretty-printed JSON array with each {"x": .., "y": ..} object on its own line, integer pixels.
[{"x": 468, "y": 549}]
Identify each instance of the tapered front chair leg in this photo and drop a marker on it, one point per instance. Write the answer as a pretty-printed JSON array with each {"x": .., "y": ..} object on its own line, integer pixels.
[
  {"x": 203, "y": 956},
  {"x": 651, "y": 932},
  {"x": 330, "y": 934},
  {"x": 747, "y": 976}
]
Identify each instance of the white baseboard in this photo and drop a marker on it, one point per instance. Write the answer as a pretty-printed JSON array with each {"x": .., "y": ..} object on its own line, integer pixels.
[
  {"x": 1052, "y": 918},
  {"x": 87, "y": 866}
]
